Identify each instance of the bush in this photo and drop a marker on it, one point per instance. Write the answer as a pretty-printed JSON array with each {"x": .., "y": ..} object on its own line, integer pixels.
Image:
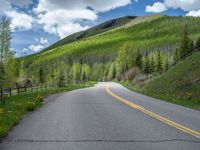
[
  {"x": 1, "y": 111},
  {"x": 189, "y": 96},
  {"x": 132, "y": 73},
  {"x": 30, "y": 106},
  {"x": 39, "y": 98},
  {"x": 140, "y": 79}
]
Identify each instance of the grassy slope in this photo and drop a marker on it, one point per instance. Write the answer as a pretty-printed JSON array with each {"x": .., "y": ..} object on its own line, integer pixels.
[
  {"x": 17, "y": 106},
  {"x": 108, "y": 25},
  {"x": 179, "y": 85},
  {"x": 162, "y": 32}
]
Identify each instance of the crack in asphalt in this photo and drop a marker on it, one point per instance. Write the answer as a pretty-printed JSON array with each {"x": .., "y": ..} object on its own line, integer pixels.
[{"x": 103, "y": 141}]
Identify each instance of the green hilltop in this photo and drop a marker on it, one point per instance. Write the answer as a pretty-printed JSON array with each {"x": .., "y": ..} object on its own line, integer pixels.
[{"x": 147, "y": 33}]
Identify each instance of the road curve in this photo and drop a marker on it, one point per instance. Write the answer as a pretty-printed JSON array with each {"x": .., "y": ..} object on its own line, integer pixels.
[{"x": 93, "y": 118}]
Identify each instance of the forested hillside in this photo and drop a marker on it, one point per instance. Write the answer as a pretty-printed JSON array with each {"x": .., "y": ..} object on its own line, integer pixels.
[
  {"x": 150, "y": 34},
  {"x": 180, "y": 84},
  {"x": 117, "y": 49}
]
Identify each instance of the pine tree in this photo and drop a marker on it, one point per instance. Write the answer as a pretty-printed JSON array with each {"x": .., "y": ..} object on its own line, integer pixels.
[
  {"x": 146, "y": 64},
  {"x": 61, "y": 80},
  {"x": 185, "y": 43},
  {"x": 139, "y": 59},
  {"x": 152, "y": 65},
  {"x": 176, "y": 56},
  {"x": 159, "y": 62},
  {"x": 41, "y": 75},
  {"x": 84, "y": 76},
  {"x": 166, "y": 63},
  {"x": 191, "y": 48},
  {"x": 197, "y": 45}
]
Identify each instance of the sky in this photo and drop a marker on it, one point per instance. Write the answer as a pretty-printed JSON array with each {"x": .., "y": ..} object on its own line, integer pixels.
[{"x": 36, "y": 24}]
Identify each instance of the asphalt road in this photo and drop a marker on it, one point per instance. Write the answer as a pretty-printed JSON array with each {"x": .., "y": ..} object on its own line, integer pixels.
[{"x": 92, "y": 119}]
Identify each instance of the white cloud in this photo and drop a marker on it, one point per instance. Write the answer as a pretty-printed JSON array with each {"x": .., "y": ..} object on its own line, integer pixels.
[
  {"x": 186, "y": 5},
  {"x": 63, "y": 22},
  {"x": 191, "y": 6},
  {"x": 101, "y": 6},
  {"x": 41, "y": 44},
  {"x": 156, "y": 7},
  {"x": 35, "y": 48},
  {"x": 43, "y": 41},
  {"x": 20, "y": 21},
  {"x": 63, "y": 17},
  {"x": 194, "y": 13}
]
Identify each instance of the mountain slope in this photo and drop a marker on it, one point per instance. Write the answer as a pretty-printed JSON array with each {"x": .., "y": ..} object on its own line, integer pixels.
[
  {"x": 108, "y": 25},
  {"x": 180, "y": 84},
  {"x": 161, "y": 33}
]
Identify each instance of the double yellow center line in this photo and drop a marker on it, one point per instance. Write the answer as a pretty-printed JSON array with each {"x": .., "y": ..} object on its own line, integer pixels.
[{"x": 153, "y": 115}]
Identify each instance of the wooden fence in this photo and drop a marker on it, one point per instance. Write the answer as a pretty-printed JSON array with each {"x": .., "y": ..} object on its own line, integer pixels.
[{"x": 5, "y": 92}]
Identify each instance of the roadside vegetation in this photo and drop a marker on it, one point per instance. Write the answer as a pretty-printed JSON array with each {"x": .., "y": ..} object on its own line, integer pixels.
[{"x": 17, "y": 106}]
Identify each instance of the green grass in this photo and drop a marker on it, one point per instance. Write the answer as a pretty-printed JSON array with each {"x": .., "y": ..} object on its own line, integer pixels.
[
  {"x": 17, "y": 106},
  {"x": 179, "y": 85}
]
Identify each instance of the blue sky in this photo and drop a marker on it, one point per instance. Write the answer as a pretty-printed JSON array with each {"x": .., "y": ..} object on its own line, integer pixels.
[{"x": 37, "y": 24}]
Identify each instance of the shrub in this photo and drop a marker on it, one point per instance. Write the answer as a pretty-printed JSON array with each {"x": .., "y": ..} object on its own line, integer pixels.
[
  {"x": 30, "y": 106},
  {"x": 140, "y": 79},
  {"x": 39, "y": 98},
  {"x": 1, "y": 111},
  {"x": 189, "y": 96},
  {"x": 132, "y": 73}
]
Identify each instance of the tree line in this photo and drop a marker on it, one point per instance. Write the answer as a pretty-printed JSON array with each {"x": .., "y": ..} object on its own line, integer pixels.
[{"x": 127, "y": 64}]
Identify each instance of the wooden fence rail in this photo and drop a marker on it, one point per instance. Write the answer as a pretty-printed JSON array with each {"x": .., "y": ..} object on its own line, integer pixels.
[{"x": 5, "y": 92}]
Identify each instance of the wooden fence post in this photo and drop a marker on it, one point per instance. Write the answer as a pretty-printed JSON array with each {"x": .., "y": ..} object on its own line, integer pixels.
[
  {"x": 10, "y": 89},
  {"x": 1, "y": 92},
  {"x": 18, "y": 90}
]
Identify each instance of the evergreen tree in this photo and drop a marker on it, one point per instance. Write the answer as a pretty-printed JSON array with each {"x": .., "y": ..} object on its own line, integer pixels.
[
  {"x": 191, "y": 48},
  {"x": 61, "y": 79},
  {"x": 197, "y": 45},
  {"x": 41, "y": 75},
  {"x": 176, "y": 56},
  {"x": 159, "y": 63},
  {"x": 67, "y": 73},
  {"x": 84, "y": 76},
  {"x": 185, "y": 43},
  {"x": 147, "y": 64},
  {"x": 52, "y": 76},
  {"x": 61, "y": 76},
  {"x": 166, "y": 63},
  {"x": 152, "y": 65},
  {"x": 139, "y": 59}
]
